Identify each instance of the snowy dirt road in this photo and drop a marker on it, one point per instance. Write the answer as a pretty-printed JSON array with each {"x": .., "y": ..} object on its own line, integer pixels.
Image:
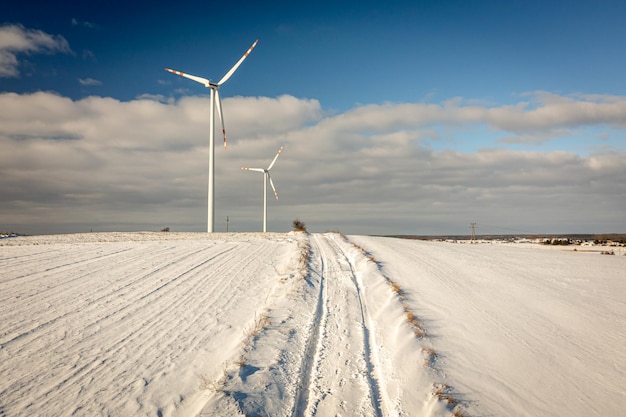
[
  {"x": 340, "y": 375},
  {"x": 339, "y": 345}
]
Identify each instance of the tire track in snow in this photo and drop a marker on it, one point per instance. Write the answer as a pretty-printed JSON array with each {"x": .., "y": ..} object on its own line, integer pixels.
[
  {"x": 340, "y": 376},
  {"x": 302, "y": 393},
  {"x": 373, "y": 382}
]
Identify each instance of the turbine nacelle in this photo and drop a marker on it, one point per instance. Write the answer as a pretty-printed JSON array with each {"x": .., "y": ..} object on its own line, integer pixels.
[{"x": 214, "y": 86}]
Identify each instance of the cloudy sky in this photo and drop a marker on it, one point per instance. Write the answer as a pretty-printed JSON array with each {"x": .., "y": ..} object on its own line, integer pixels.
[{"x": 415, "y": 117}]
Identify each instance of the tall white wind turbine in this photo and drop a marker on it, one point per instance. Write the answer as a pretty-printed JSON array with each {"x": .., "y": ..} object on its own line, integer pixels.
[
  {"x": 266, "y": 176},
  {"x": 215, "y": 103}
]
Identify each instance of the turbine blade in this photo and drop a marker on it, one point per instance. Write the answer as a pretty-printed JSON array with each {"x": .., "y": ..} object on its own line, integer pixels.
[
  {"x": 219, "y": 113},
  {"x": 275, "y": 158},
  {"x": 254, "y": 169},
  {"x": 272, "y": 184},
  {"x": 234, "y": 68},
  {"x": 200, "y": 80}
]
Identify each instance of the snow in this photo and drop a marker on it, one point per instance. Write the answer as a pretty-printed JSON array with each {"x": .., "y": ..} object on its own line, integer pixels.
[
  {"x": 519, "y": 330},
  {"x": 194, "y": 324}
]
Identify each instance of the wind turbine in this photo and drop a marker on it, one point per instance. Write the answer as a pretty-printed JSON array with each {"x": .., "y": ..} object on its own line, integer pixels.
[
  {"x": 266, "y": 176},
  {"x": 215, "y": 103}
]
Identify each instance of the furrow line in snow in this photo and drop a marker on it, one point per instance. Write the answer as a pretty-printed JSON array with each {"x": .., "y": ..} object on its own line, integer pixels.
[
  {"x": 136, "y": 330},
  {"x": 14, "y": 264},
  {"x": 44, "y": 290},
  {"x": 71, "y": 310},
  {"x": 196, "y": 302},
  {"x": 178, "y": 306},
  {"x": 108, "y": 348},
  {"x": 63, "y": 264},
  {"x": 266, "y": 361}
]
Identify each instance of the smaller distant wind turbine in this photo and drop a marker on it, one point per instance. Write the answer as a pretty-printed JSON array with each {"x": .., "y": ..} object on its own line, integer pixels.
[{"x": 266, "y": 176}]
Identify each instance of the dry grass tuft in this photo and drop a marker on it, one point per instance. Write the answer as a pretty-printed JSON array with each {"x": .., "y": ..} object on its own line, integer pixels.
[
  {"x": 396, "y": 289},
  {"x": 260, "y": 323},
  {"x": 415, "y": 323},
  {"x": 217, "y": 385},
  {"x": 362, "y": 250},
  {"x": 252, "y": 333},
  {"x": 304, "y": 258},
  {"x": 443, "y": 393},
  {"x": 430, "y": 356},
  {"x": 419, "y": 332},
  {"x": 241, "y": 360}
]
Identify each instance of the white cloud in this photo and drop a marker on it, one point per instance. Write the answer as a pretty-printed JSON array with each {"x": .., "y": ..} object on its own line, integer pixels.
[
  {"x": 15, "y": 39},
  {"x": 535, "y": 137},
  {"x": 89, "y": 82},
  {"x": 104, "y": 164}
]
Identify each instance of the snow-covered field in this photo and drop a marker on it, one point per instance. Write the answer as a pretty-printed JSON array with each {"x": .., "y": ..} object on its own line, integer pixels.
[{"x": 186, "y": 324}]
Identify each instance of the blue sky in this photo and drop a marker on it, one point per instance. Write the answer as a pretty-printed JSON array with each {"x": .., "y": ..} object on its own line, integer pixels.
[
  {"x": 351, "y": 88},
  {"x": 341, "y": 53}
]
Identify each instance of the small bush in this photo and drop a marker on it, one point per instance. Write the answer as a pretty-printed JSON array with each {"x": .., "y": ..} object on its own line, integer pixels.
[{"x": 299, "y": 226}]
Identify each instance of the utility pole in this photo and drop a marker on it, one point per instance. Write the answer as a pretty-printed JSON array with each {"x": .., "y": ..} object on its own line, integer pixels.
[
  {"x": 473, "y": 225},
  {"x": 227, "y": 220}
]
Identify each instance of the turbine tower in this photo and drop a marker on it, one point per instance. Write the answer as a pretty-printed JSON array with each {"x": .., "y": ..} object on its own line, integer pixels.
[
  {"x": 266, "y": 176},
  {"x": 215, "y": 103}
]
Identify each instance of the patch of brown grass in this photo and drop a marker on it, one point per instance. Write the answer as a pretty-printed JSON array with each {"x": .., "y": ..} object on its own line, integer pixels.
[
  {"x": 443, "y": 393},
  {"x": 415, "y": 323},
  {"x": 395, "y": 287},
  {"x": 304, "y": 258},
  {"x": 361, "y": 249}
]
